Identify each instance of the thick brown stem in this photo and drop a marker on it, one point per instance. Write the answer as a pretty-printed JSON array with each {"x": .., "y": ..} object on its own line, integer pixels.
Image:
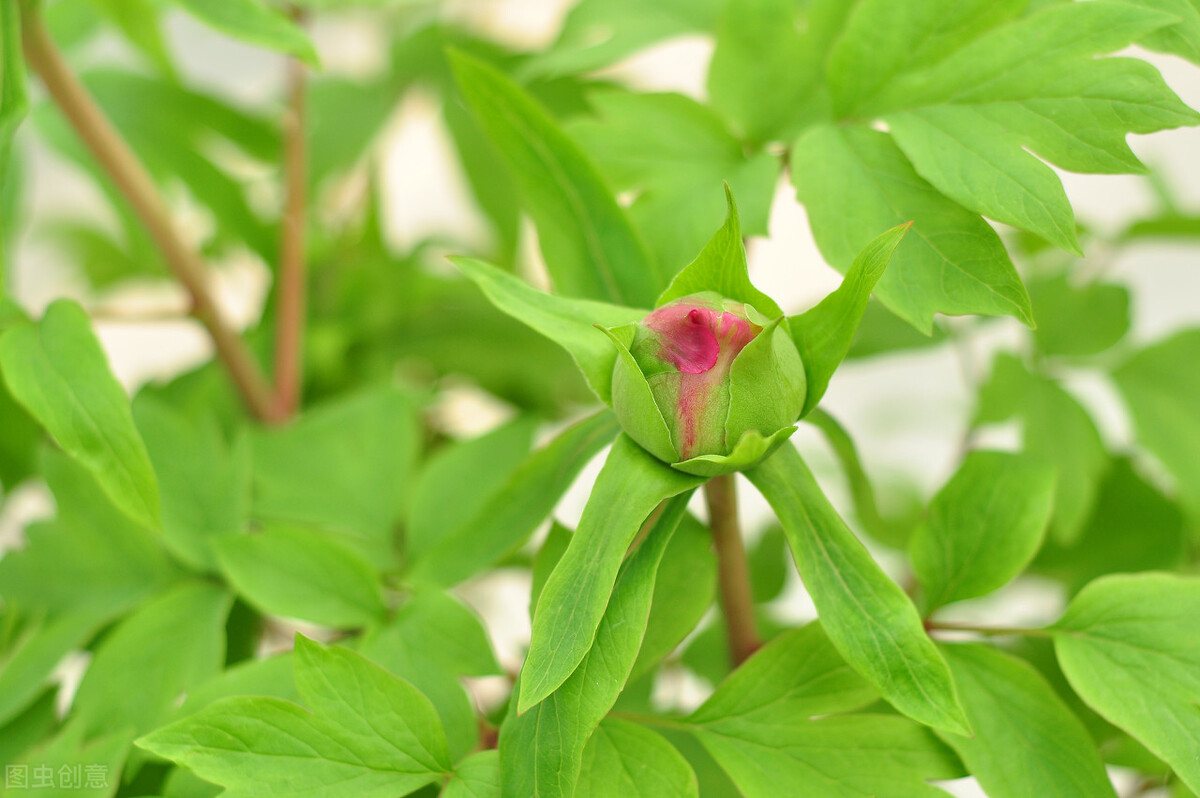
[
  {"x": 733, "y": 573},
  {"x": 291, "y": 279},
  {"x": 131, "y": 178}
]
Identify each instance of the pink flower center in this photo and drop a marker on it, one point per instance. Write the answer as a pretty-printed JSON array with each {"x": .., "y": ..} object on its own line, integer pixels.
[{"x": 691, "y": 338}]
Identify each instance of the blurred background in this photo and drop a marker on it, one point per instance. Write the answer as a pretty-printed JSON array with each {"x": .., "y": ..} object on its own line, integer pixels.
[{"x": 402, "y": 190}]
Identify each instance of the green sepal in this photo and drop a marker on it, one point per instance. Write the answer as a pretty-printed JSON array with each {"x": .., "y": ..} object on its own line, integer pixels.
[
  {"x": 767, "y": 383},
  {"x": 721, "y": 267},
  {"x": 751, "y": 449},
  {"x": 824, "y": 334},
  {"x": 633, "y": 402},
  {"x": 570, "y": 323}
]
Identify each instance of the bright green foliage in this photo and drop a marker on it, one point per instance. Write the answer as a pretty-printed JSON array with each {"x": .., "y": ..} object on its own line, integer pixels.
[
  {"x": 1162, "y": 399},
  {"x": 955, "y": 263},
  {"x": 759, "y": 726},
  {"x": 1055, "y": 430},
  {"x": 58, "y": 372},
  {"x": 1078, "y": 321},
  {"x": 14, "y": 102},
  {"x": 68, "y": 749},
  {"x": 823, "y": 334},
  {"x": 868, "y": 617},
  {"x": 542, "y": 749},
  {"x": 367, "y": 731},
  {"x": 512, "y": 513},
  {"x": 254, "y": 22},
  {"x": 983, "y": 527},
  {"x": 624, "y": 760},
  {"x": 1116, "y": 633},
  {"x": 672, "y": 151},
  {"x": 1012, "y": 709},
  {"x": 477, "y": 776},
  {"x": 590, "y": 246},
  {"x": 154, "y": 655},
  {"x": 204, "y": 483},
  {"x": 598, "y": 32},
  {"x": 302, "y": 573},
  {"x": 573, "y": 601},
  {"x": 344, "y": 467}
]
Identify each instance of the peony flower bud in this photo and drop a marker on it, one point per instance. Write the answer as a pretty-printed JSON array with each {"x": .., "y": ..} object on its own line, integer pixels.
[{"x": 717, "y": 373}]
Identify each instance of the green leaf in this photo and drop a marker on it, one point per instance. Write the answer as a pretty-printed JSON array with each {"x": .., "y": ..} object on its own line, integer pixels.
[
  {"x": 672, "y": 153},
  {"x": 1128, "y": 646},
  {"x": 344, "y": 466},
  {"x": 590, "y": 248},
  {"x": 855, "y": 182},
  {"x": 882, "y": 332},
  {"x": 1026, "y": 741},
  {"x": 68, "y": 749},
  {"x": 58, "y": 372},
  {"x": 629, "y": 487},
  {"x": 778, "y": 48},
  {"x": 90, "y": 558},
  {"x": 721, "y": 267},
  {"x": 768, "y": 562},
  {"x": 486, "y": 463},
  {"x": 166, "y": 646},
  {"x": 983, "y": 527},
  {"x": 568, "y": 322},
  {"x": 867, "y": 616},
  {"x": 548, "y": 555},
  {"x": 514, "y": 512},
  {"x": 597, "y": 33},
  {"x": 431, "y": 642},
  {"x": 139, "y": 21},
  {"x": 14, "y": 101},
  {"x": 798, "y": 675},
  {"x": 477, "y": 776},
  {"x": 1056, "y": 430},
  {"x": 1076, "y": 321},
  {"x": 966, "y": 120},
  {"x": 541, "y": 750},
  {"x": 633, "y": 402},
  {"x": 759, "y": 726},
  {"x": 624, "y": 760},
  {"x": 367, "y": 731},
  {"x": 683, "y": 593},
  {"x": 302, "y": 573},
  {"x": 36, "y": 722},
  {"x": 20, "y": 437},
  {"x": 204, "y": 484},
  {"x": 256, "y": 23},
  {"x": 1181, "y": 38},
  {"x": 26, "y": 665},
  {"x": 824, "y": 334},
  {"x": 1160, "y": 389},
  {"x": 1133, "y": 527},
  {"x": 868, "y": 56},
  {"x": 270, "y": 676}
]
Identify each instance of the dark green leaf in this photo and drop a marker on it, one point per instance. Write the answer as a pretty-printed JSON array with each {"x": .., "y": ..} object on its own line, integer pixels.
[
  {"x": 58, "y": 372},
  {"x": 591, "y": 249},
  {"x": 867, "y": 616},
  {"x": 366, "y": 728},
  {"x": 572, "y": 604},
  {"x": 301, "y": 573},
  {"x": 1129, "y": 647},
  {"x": 983, "y": 527}
]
